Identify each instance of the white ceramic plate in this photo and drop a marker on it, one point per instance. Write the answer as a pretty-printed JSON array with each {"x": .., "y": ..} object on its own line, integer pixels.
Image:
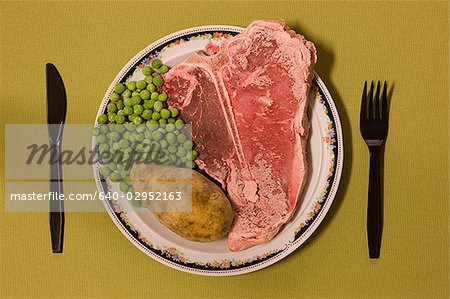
[{"x": 325, "y": 154}]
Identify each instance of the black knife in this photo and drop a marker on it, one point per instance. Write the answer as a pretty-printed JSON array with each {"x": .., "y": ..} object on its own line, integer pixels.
[{"x": 56, "y": 115}]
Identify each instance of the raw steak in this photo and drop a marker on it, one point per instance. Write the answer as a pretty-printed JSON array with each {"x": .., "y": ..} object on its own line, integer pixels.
[{"x": 246, "y": 101}]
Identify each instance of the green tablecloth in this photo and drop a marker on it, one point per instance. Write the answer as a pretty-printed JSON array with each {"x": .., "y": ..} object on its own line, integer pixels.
[{"x": 403, "y": 42}]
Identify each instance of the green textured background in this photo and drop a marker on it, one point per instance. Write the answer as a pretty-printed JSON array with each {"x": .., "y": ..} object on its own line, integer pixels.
[{"x": 404, "y": 42}]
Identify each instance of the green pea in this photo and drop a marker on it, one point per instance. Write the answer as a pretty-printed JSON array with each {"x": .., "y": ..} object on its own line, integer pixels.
[
  {"x": 141, "y": 84},
  {"x": 131, "y": 85},
  {"x": 162, "y": 97},
  {"x": 120, "y": 104},
  {"x": 156, "y": 63},
  {"x": 138, "y": 109},
  {"x": 165, "y": 113},
  {"x": 148, "y": 79},
  {"x": 126, "y": 94},
  {"x": 128, "y": 102},
  {"x": 171, "y": 138},
  {"x": 171, "y": 120},
  {"x": 170, "y": 127},
  {"x": 104, "y": 147},
  {"x": 188, "y": 144},
  {"x": 112, "y": 117},
  {"x": 120, "y": 119},
  {"x": 116, "y": 146},
  {"x": 154, "y": 96},
  {"x": 119, "y": 88},
  {"x": 146, "y": 114},
  {"x": 148, "y": 134},
  {"x": 102, "y": 119},
  {"x": 164, "y": 69},
  {"x": 172, "y": 149},
  {"x": 183, "y": 159},
  {"x": 181, "y": 138},
  {"x": 107, "y": 135},
  {"x": 151, "y": 87},
  {"x": 149, "y": 104},
  {"x": 162, "y": 121},
  {"x": 112, "y": 128},
  {"x": 152, "y": 124},
  {"x": 104, "y": 129},
  {"x": 145, "y": 94},
  {"x": 137, "y": 120},
  {"x": 163, "y": 144},
  {"x": 162, "y": 130},
  {"x": 156, "y": 116},
  {"x": 147, "y": 71},
  {"x": 114, "y": 136},
  {"x": 101, "y": 138},
  {"x": 136, "y": 100},
  {"x": 119, "y": 128},
  {"x": 131, "y": 127},
  {"x": 179, "y": 123},
  {"x": 158, "y": 106},
  {"x": 114, "y": 96},
  {"x": 192, "y": 155},
  {"x": 114, "y": 177},
  {"x": 124, "y": 143},
  {"x": 141, "y": 129},
  {"x": 155, "y": 74},
  {"x": 111, "y": 107},
  {"x": 174, "y": 112},
  {"x": 128, "y": 110},
  {"x": 135, "y": 93},
  {"x": 126, "y": 136},
  {"x": 138, "y": 137},
  {"x": 181, "y": 152},
  {"x": 95, "y": 131},
  {"x": 123, "y": 186},
  {"x": 157, "y": 135},
  {"x": 105, "y": 171},
  {"x": 131, "y": 139},
  {"x": 158, "y": 81},
  {"x": 190, "y": 164}
]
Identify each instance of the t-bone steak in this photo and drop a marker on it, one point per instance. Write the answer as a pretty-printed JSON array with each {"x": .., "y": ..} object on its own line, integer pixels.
[{"x": 246, "y": 99}]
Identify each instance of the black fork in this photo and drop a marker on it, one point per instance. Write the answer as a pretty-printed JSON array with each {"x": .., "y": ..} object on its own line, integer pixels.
[{"x": 374, "y": 119}]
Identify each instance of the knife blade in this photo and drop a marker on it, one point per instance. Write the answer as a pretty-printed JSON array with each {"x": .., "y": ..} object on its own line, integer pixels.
[{"x": 56, "y": 115}]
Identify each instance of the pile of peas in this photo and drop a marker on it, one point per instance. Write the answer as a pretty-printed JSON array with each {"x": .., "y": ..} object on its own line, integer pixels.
[{"x": 138, "y": 116}]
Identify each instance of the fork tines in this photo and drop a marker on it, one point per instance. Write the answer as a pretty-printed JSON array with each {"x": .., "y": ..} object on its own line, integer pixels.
[{"x": 374, "y": 107}]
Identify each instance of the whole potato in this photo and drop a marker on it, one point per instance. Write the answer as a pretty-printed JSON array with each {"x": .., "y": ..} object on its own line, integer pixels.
[{"x": 206, "y": 217}]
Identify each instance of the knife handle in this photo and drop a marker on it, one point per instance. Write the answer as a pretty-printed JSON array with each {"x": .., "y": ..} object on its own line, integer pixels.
[
  {"x": 56, "y": 205},
  {"x": 375, "y": 204}
]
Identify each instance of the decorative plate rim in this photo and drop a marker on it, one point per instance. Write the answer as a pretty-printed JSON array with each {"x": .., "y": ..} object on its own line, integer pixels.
[{"x": 300, "y": 236}]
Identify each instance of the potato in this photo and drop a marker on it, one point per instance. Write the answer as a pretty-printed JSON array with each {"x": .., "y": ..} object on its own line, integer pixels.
[{"x": 211, "y": 215}]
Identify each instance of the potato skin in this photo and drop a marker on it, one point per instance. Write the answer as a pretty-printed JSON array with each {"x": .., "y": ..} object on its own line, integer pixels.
[{"x": 211, "y": 215}]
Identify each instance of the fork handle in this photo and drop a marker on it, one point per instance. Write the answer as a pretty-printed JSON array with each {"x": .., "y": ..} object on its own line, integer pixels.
[{"x": 375, "y": 204}]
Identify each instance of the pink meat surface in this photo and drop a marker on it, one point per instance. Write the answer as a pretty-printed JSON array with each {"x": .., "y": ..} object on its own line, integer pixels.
[{"x": 246, "y": 100}]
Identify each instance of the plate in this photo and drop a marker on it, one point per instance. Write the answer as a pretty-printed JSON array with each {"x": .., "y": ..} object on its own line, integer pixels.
[{"x": 325, "y": 155}]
